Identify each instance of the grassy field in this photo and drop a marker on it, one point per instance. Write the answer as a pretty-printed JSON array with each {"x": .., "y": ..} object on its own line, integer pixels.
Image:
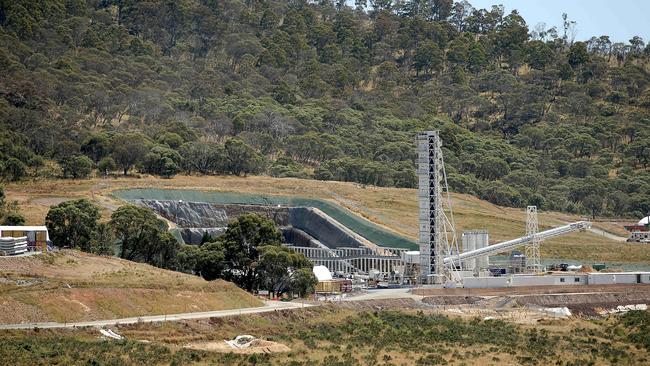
[
  {"x": 336, "y": 337},
  {"x": 74, "y": 286},
  {"x": 393, "y": 208}
]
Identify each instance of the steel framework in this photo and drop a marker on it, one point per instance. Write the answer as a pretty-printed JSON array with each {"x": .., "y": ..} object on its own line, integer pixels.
[
  {"x": 533, "y": 262},
  {"x": 437, "y": 233},
  {"x": 514, "y": 243}
]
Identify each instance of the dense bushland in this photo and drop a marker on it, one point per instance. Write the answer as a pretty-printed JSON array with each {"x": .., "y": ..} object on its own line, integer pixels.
[{"x": 324, "y": 90}]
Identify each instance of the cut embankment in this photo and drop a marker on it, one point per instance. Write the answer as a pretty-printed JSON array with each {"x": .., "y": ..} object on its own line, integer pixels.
[
  {"x": 365, "y": 228},
  {"x": 73, "y": 286}
]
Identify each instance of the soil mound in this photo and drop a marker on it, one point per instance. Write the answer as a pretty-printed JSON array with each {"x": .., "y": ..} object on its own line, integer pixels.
[{"x": 451, "y": 300}]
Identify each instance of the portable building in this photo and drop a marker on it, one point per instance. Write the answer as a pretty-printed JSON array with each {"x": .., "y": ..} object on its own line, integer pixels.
[
  {"x": 618, "y": 278},
  {"x": 37, "y": 236},
  {"x": 486, "y": 282}
]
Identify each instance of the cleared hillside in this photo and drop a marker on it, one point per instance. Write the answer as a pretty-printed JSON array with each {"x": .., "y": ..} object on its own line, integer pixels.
[
  {"x": 73, "y": 286},
  {"x": 393, "y": 208}
]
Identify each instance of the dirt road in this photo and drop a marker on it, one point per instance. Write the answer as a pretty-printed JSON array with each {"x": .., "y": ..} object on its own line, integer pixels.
[{"x": 269, "y": 307}]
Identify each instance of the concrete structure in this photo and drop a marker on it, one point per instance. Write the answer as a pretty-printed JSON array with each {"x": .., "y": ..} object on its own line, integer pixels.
[
  {"x": 618, "y": 278},
  {"x": 382, "y": 261},
  {"x": 564, "y": 279},
  {"x": 472, "y": 240},
  {"x": 37, "y": 237},
  {"x": 437, "y": 237},
  {"x": 428, "y": 192}
]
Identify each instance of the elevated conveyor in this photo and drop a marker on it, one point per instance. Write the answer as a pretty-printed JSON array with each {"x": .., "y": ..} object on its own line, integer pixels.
[{"x": 511, "y": 244}]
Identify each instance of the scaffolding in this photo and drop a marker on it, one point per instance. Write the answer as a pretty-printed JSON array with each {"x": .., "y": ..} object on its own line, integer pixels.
[
  {"x": 533, "y": 262},
  {"x": 437, "y": 235},
  {"x": 359, "y": 260}
]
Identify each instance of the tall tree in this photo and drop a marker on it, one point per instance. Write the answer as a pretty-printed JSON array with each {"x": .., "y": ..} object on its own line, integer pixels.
[
  {"x": 241, "y": 242},
  {"x": 73, "y": 224},
  {"x": 128, "y": 150},
  {"x": 143, "y": 237}
]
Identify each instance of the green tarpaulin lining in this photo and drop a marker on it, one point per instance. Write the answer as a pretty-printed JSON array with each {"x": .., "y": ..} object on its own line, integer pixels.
[{"x": 361, "y": 226}]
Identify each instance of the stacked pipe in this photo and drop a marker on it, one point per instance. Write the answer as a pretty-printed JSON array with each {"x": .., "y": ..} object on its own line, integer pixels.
[{"x": 13, "y": 246}]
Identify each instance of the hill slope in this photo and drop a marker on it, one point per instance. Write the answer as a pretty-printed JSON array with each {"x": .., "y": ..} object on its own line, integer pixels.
[
  {"x": 320, "y": 89},
  {"x": 392, "y": 208},
  {"x": 74, "y": 286}
]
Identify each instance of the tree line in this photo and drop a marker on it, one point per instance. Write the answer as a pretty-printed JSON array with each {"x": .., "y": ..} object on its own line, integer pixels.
[
  {"x": 250, "y": 252},
  {"x": 326, "y": 90},
  {"x": 9, "y": 212}
]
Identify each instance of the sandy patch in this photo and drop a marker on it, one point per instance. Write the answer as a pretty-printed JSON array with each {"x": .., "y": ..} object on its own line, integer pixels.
[
  {"x": 48, "y": 201},
  {"x": 259, "y": 346}
]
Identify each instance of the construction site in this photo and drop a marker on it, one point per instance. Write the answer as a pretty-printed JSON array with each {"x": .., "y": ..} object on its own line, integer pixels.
[
  {"x": 359, "y": 258},
  {"x": 379, "y": 290},
  {"x": 359, "y": 252}
]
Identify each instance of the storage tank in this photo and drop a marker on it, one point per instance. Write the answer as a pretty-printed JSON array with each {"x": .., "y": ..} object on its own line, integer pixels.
[
  {"x": 482, "y": 240},
  {"x": 469, "y": 243}
]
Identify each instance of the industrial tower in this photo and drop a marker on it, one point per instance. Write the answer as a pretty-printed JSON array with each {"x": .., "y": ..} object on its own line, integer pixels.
[
  {"x": 437, "y": 236},
  {"x": 533, "y": 262}
]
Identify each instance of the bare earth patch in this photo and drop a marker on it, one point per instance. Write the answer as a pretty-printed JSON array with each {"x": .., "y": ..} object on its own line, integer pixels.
[
  {"x": 74, "y": 286},
  {"x": 258, "y": 346}
]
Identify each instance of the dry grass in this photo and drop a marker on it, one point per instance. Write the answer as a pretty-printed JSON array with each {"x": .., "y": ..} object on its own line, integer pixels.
[
  {"x": 393, "y": 208},
  {"x": 321, "y": 336},
  {"x": 283, "y": 326},
  {"x": 72, "y": 286}
]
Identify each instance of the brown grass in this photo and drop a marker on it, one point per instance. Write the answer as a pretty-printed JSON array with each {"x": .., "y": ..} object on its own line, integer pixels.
[
  {"x": 393, "y": 208},
  {"x": 74, "y": 286}
]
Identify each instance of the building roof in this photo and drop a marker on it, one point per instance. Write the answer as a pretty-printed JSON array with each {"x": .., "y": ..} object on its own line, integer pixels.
[
  {"x": 23, "y": 228},
  {"x": 644, "y": 221},
  {"x": 322, "y": 273}
]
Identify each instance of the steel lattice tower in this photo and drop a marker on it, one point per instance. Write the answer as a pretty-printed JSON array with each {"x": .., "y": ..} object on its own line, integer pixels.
[
  {"x": 533, "y": 262},
  {"x": 437, "y": 236}
]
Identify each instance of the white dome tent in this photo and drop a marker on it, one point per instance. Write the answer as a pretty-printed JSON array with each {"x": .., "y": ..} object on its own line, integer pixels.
[{"x": 322, "y": 273}]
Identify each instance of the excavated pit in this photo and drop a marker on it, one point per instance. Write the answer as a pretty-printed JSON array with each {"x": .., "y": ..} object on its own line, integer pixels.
[{"x": 302, "y": 226}]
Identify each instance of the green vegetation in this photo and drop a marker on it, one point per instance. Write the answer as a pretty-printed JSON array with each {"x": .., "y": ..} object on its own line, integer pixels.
[
  {"x": 9, "y": 213},
  {"x": 330, "y": 336},
  {"x": 143, "y": 237},
  {"x": 73, "y": 224},
  {"x": 324, "y": 90},
  {"x": 248, "y": 254},
  {"x": 639, "y": 322}
]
